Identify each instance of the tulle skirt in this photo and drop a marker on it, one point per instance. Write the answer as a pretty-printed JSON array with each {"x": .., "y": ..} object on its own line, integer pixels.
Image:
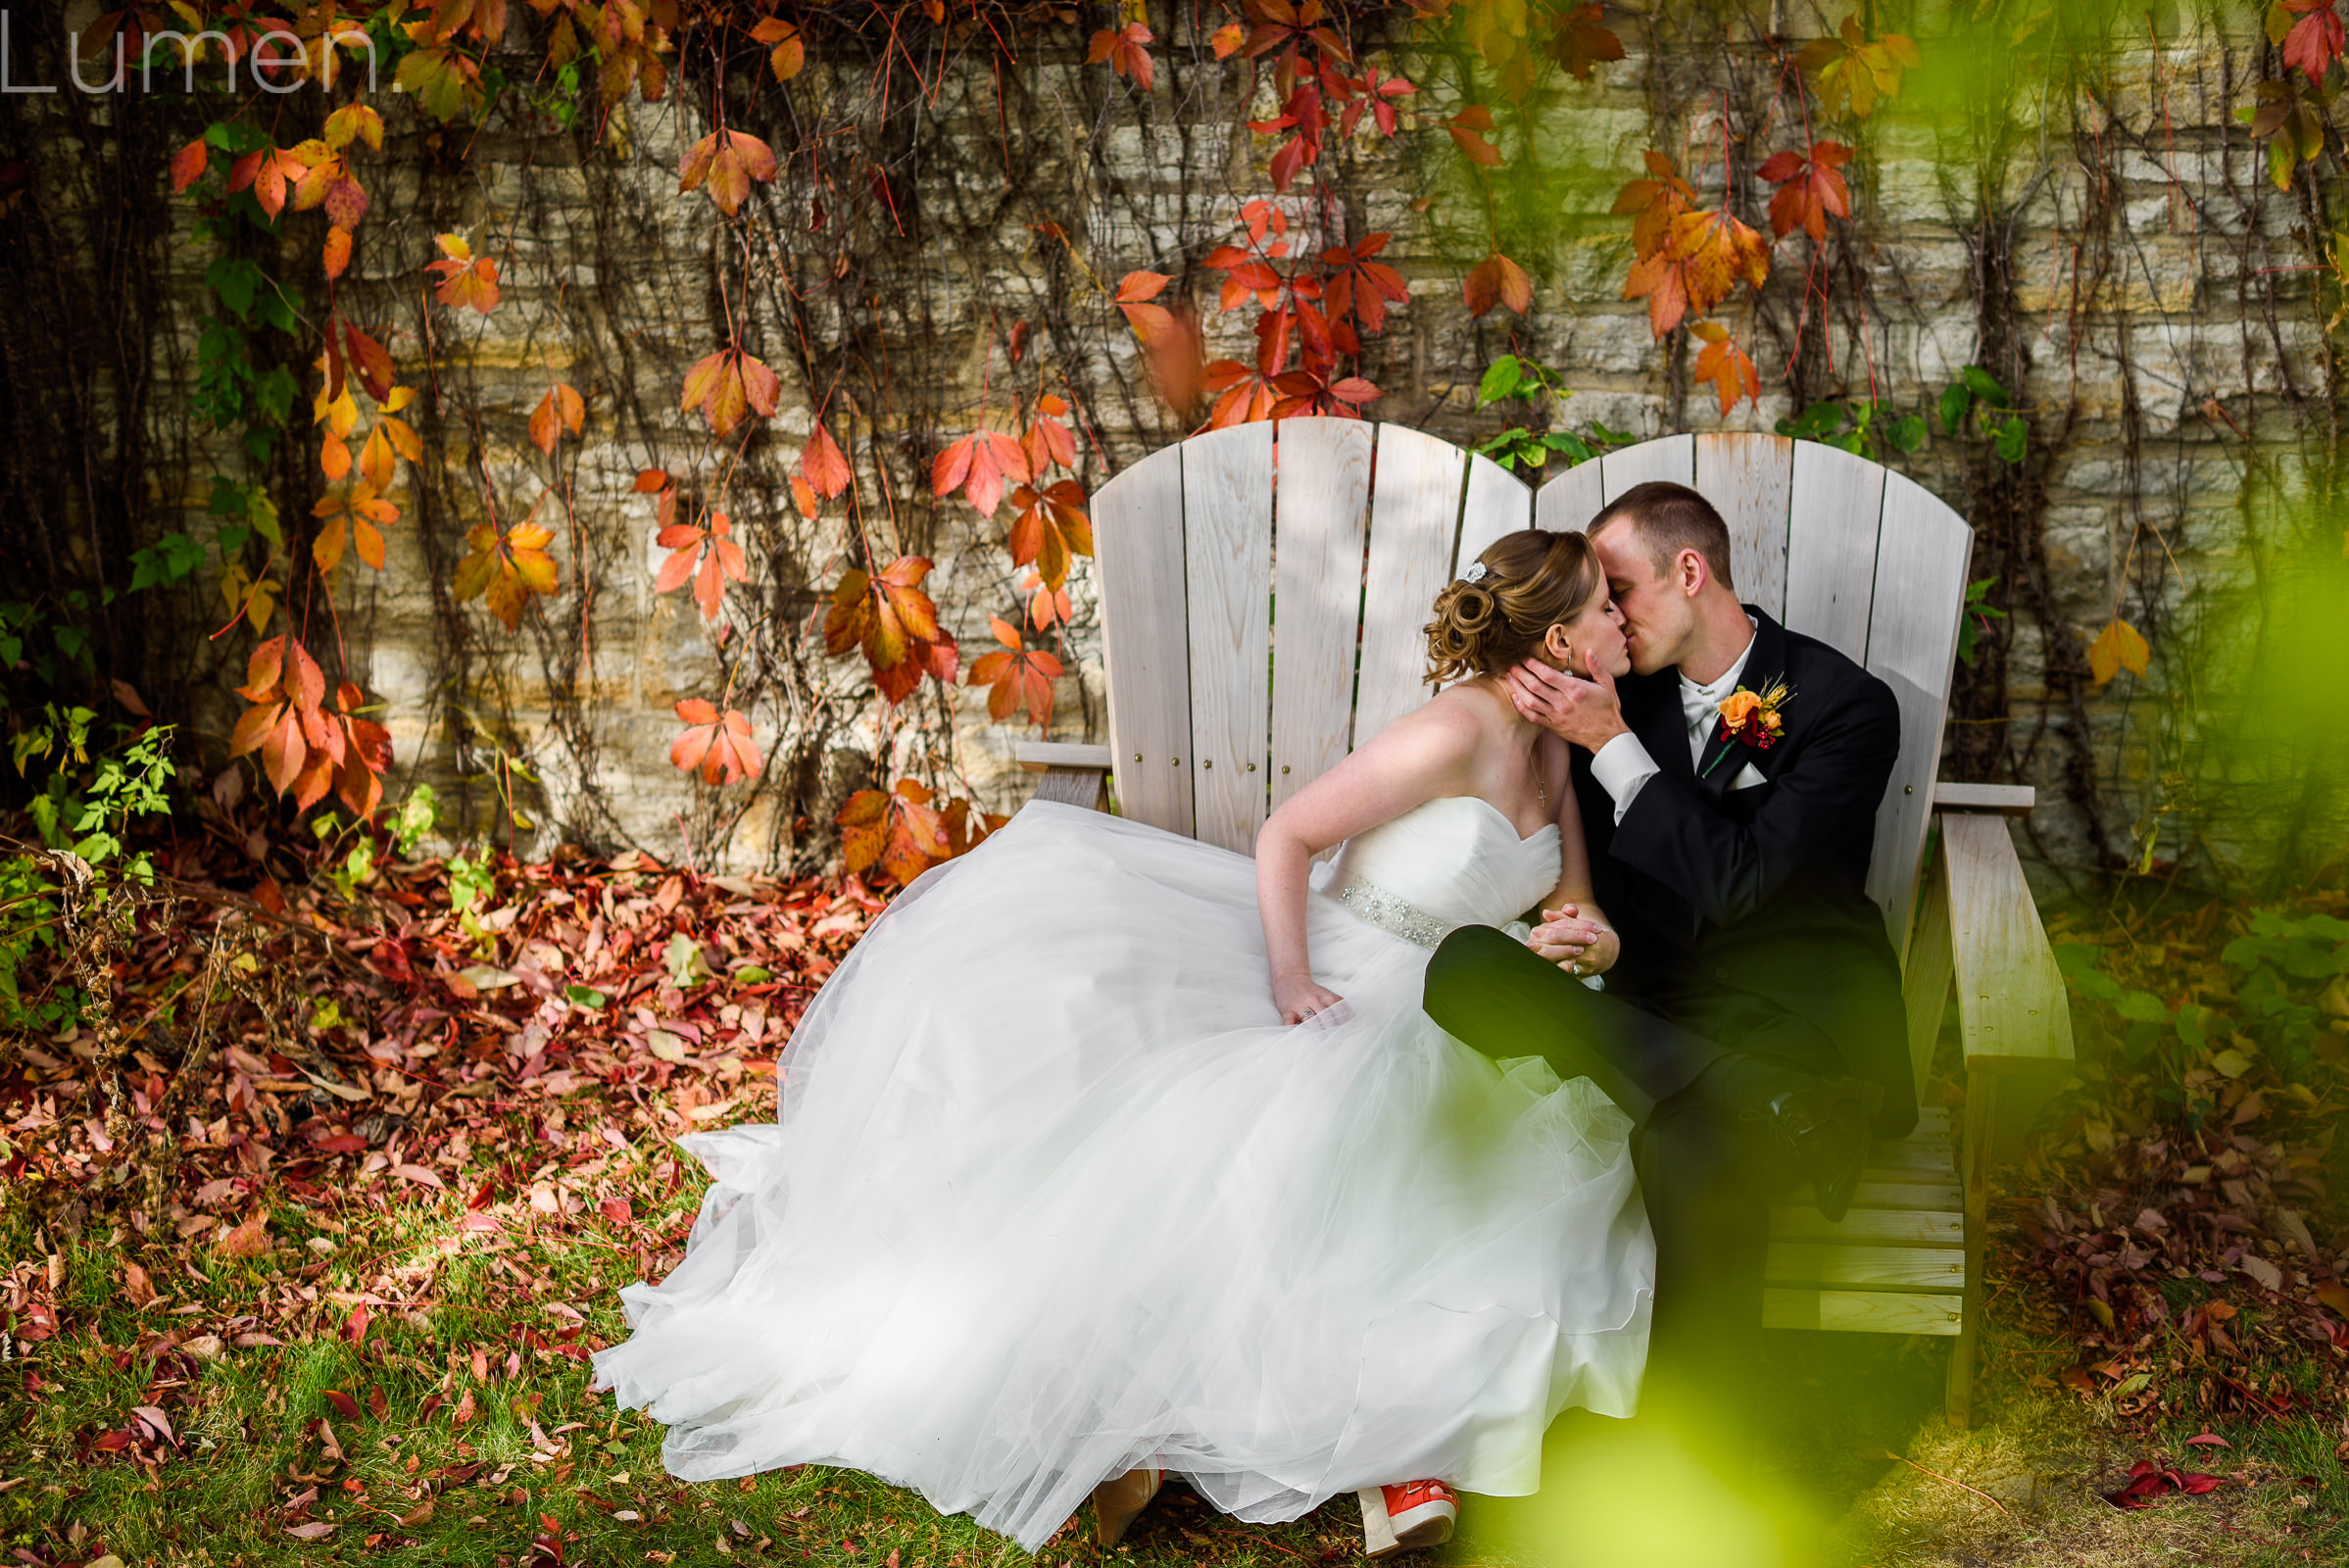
[{"x": 1052, "y": 1194}]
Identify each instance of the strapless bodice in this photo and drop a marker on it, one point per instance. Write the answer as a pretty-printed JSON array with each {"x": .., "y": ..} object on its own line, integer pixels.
[{"x": 1450, "y": 861}]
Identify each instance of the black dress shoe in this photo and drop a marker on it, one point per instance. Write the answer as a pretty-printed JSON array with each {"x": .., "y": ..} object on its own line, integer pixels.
[{"x": 1826, "y": 1129}]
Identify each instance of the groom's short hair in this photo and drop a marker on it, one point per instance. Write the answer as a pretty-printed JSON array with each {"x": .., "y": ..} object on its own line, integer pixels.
[{"x": 1670, "y": 519}]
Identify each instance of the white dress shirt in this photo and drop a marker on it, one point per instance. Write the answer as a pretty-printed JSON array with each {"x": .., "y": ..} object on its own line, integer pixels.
[{"x": 1623, "y": 765}]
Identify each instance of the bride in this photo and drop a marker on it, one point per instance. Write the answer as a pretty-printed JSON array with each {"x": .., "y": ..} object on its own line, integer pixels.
[{"x": 1109, "y": 1155}]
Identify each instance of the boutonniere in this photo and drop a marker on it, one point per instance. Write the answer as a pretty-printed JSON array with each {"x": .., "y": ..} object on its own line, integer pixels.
[{"x": 1753, "y": 718}]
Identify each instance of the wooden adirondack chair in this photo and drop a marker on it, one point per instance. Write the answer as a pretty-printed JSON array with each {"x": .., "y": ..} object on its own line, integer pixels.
[{"x": 1262, "y": 590}]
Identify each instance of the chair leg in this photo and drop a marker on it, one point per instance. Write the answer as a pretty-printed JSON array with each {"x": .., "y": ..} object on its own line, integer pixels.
[{"x": 1974, "y": 1177}]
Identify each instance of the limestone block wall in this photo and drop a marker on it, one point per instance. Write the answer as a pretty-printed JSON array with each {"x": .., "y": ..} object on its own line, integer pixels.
[{"x": 2120, "y": 258}]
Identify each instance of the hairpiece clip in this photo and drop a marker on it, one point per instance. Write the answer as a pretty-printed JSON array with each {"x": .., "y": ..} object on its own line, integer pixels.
[{"x": 1475, "y": 574}]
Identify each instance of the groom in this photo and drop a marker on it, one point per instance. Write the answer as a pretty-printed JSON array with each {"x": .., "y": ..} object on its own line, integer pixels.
[{"x": 1753, "y": 1027}]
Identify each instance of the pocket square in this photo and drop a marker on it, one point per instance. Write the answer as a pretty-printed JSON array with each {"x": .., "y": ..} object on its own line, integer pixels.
[{"x": 1747, "y": 777}]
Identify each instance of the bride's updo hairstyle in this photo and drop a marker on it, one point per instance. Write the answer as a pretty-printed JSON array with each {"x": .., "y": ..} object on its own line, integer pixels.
[{"x": 1524, "y": 584}]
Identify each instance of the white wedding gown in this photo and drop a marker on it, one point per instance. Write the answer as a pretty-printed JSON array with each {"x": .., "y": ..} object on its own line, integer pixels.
[{"x": 1052, "y": 1194}]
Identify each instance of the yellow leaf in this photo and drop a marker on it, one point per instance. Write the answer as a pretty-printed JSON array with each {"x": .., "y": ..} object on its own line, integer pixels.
[{"x": 2120, "y": 646}]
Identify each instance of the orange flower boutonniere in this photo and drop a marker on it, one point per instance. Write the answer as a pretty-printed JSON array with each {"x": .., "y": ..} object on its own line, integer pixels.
[{"x": 1753, "y": 718}]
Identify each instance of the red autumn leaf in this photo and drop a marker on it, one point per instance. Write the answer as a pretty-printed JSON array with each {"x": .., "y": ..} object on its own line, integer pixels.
[
  {"x": 1152, "y": 324},
  {"x": 979, "y": 465},
  {"x": 464, "y": 279},
  {"x": 1497, "y": 280},
  {"x": 804, "y": 497},
  {"x": 717, "y": 555},
  {"x": 727, "y": 387},
  {"x": 1580, "y": 42},
  {"x": 1018, "y": 676},
  {"x": 1651, "y": 204},
  {"x": 335, "y": 255},
  {"x": 188, "y": 165},
  {"x": 562, "y": 409},
  {"x": 1468, "y": 129},
  {"x": 372, "y": 362},
  {"x": 1049, "y": 442},
  {"x": 2314, "y": 41},
  {"x": 717, "y": 746},
  {"x": 1361, "y": 287},
  {"x": 892, "y": 621},
  {"x": 1045, "y": 605},
  {"x": 650, "y": 482},
  {"x": 343, "y": 1403},
  {"x": 1375, "y": 97},
  {"x": 1810, "y": 188},
  {"x": 823, "y": 466},
  {"x": 1051, "y": 526},
  {"x": 729, "y": 162},
  {"x": 1725, "y": 365},
  {"x": 1243, "y": 395},
  {"x": 895, "y": 830},
  {"x": 1227, "y": 39},
  {"x": 1127, "y": 51}
]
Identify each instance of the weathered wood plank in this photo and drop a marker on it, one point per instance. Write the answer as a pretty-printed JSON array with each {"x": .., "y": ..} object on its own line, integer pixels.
[
  {"x": 1227, "y": 527},
  {"x": 1878, "y": 1227},
  {"x": 1749, "y": 478},
  {"x": 1499, "y": 503},
  {"x": 1568, "y": 502},
  {"x": 1836, "y": 502},
  {"x": 1862, "y": 1311},
  {"x": 1321, "y": 511},
  {"x": 1943, "y": 1195},
  {"x": 1146, "y": 637},
  {"x": 2014, "y": 799},
  {"x": 1933, "y": 1158},
  {"x": 1863, "y": 1267},
  {"x": 1922, "y": 551},
  {"x": 1414, "y": 522},
  {"x": 2011, "y": 1004},
  {"x": 1670, "y": 456},
  {"x": 1072, "y": 786},
  {"x": 1036, "y": 756},
  {"x": 1925, "y": 975}
]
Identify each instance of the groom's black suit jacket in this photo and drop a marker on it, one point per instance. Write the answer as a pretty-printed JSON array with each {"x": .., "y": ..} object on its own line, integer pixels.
[{"x": 1743, "y": 913}]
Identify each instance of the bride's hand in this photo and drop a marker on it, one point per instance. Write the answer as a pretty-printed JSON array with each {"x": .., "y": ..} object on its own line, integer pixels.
[
  {"x": 1574, "y": 943},
  {"x": 1298, "y": 997}
]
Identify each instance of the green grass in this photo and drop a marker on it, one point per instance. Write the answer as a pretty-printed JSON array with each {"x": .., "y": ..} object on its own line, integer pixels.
[{"x": 250, "y": 1439}]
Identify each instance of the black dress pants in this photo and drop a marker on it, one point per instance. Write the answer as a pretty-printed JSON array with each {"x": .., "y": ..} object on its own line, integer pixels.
[{"x": 1708, "y": 1165}]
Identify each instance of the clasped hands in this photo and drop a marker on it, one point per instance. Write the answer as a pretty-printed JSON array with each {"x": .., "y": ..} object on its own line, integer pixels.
[{"x": 1574, "y": 943}]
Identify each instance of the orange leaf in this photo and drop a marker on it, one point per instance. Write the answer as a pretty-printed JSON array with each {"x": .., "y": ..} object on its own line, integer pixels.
[
  {"x": 2118, "y": 647},
  {"x": 823, "y": 467},
  {"x": 1051, "y": 526},
  {"x": 1127, "y": 51},
  {"x": 895, "y": 830},
  {"x": 188, "y": 165},
  {"x": 727, "y": 387},
  {"x": 729, "y": 162},
  {"x": 1497, "y": 280},
  {"x": 464, "y": 279},
  {"x": 563, "y": 408},
  {"x": 717, "y": 746},
  {"x": 1725, "y": 365}
]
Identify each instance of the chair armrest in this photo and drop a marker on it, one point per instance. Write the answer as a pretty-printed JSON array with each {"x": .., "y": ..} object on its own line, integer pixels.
[
  {"x": 2008, "y": 799},
  {"x": 1073, "y": 774},
  {"x": 1039, "y": 756},
  {"x": 2012, "y": 1012}
]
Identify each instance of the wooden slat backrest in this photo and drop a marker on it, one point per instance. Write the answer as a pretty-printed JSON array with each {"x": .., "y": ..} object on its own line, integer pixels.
[
  {"x": 1227, "y": 557},
  {"x": 1318, "y": 521},
  {"x": 1922, "y": 551},
  {"x": 1209, "y": 673},
  {"x": 1499, "y": 503},
  {"x": 1414, "y": 523},
  {"x": 1146, "y": 638}
]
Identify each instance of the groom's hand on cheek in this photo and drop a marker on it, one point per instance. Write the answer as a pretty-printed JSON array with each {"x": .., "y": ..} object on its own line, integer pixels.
[{"x": 1586, "y": 711}]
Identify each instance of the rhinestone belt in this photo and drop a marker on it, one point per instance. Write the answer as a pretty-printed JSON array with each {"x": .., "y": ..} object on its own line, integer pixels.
[{"x": 1391, "y": 912}]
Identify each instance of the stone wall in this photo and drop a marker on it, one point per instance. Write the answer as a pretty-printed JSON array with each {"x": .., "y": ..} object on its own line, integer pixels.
[{"x": 2120, "y": 257}]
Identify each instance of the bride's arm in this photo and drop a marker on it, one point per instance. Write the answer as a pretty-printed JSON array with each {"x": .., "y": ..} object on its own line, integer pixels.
[
  {"x": 1575, "y": 932},
  {"x": 1427, "y": 753}
]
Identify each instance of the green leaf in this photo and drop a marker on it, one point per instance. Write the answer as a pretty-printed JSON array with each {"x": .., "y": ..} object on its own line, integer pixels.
[
  {"x": 587, "y": 997},
  {"x": 2143, "y": 1007},
  {"x": 2013, "y": 439},
  {"x": 1955, "y": 401},
  {"x": 1908, "y": 433},
  {"x": 1500, "y": 380},
  {"x": 2232, "y": 1062},
  {"x": 1984, "y": 385},
  {"x": 684, "y": 959},
  {"x": 753, "y": 974}
]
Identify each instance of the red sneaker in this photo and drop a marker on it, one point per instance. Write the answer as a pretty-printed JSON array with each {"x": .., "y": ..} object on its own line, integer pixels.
[{"x": 1407, "y": 1518}]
